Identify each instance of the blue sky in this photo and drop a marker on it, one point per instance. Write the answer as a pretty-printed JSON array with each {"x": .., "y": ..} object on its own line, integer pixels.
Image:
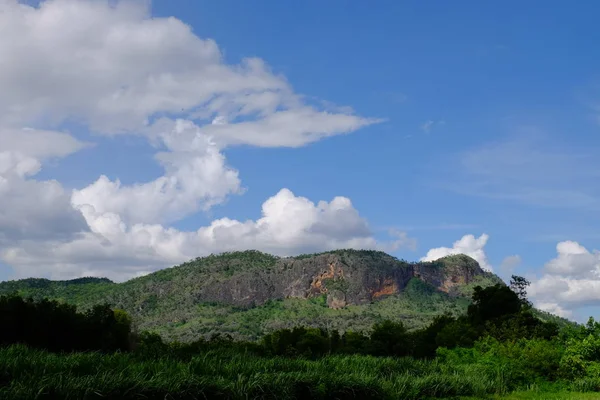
[
  {"x": 468, "y": 118},
  {"x": 490, "y": 71}
]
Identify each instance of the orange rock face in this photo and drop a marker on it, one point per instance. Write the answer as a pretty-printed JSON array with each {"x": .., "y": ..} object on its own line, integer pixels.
[
  {"x": 332, "y": 273},
  {"x": 388, "y": 287},
  {"x": 452, "y": 281}
]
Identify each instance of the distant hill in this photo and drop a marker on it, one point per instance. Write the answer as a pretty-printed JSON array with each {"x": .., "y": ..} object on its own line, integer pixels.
[{"x": 247, "y": 294}]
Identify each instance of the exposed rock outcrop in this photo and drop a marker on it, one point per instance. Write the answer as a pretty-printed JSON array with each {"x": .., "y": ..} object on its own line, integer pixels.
[{"x": 346, "y": 277}]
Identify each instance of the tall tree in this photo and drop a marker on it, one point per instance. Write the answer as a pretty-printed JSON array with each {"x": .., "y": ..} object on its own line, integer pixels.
[{"x": 519, "y": 285}]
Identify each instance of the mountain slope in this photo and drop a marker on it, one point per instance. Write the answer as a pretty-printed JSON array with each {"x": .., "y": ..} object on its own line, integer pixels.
[{"x": 247, "y": 294}]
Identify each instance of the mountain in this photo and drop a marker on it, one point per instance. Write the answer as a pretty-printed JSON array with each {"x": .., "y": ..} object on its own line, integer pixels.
[{"x": 247, "y": 294}]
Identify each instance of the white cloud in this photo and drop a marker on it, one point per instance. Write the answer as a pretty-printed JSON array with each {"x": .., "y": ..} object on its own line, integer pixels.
[
  {"x": 566, "y": 291},
  {"x": 113, "y": 65},
  {"x": 39, "y": 144},
  {"x": 574, "y": 260},
  {"x": 555, "y": 309},
  {"x": 115, "y": 68},
  {"x": 570, "y": 280},
  {"x": 290, "y": 128},
  {"x": 111, "y": 68},
  {"x": 32, "y": 209},
  {"x": 468, "y": 245},
  {"x": 289, "y": 225},
  {"x": 196, "y": 178},
  {"x": 402, "y": 241}
]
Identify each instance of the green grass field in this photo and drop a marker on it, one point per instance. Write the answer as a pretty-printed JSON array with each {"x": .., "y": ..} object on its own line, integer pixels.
[
  {"x": 226, "y": 374},
  {"x": 533, "y": 395}
]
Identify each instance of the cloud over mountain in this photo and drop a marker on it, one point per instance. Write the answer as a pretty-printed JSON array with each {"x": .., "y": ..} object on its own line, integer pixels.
[{"x": 469, "y": 245}]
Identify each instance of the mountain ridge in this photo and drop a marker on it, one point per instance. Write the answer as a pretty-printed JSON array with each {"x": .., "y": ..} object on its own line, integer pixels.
[{"x": 250, "y": 293}]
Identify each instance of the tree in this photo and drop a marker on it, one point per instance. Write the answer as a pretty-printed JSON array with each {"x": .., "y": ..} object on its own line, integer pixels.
[
  {"x": 354, "y": 342},
  {"x": 424, "y": 340},
  {"x": 519, "y": 326},
  {"x": 519, "y": 285},
  {"x": 461, "y": 333},
  {"x": 122, "y": 330},
  {"x": 54, "y": 326},
  {"x": 389, "y": 339},
  {"x": 493, "y": 302}
]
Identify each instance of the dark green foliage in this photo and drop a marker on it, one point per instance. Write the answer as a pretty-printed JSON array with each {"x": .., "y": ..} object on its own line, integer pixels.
[
  {"x": 523, "y": 362},
  {"x": 427, "y": 340},
  {"x": 458, "y": 333},
  {"x": 367, "y": 254},
  {"x": 418, "y": 289},
  {"x": 562, "y": 323},
  {"x": 493, "y": 302},
  {"x": 298, "y": 342},
  {"x": 336, "y": 284},
  {"x": 57, "y": 326},
  {"x": 521, "y": 325},
  {"x": 390, "y": 339}
]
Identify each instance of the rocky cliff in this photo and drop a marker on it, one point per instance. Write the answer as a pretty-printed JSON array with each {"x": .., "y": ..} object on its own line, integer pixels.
[{"x": 348, "y": 277}]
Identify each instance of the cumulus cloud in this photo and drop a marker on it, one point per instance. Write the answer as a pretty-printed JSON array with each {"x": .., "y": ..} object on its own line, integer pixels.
[
  {"x": 289, "y": 225},
  {"x": 575, "y": 261},
  {"x": 197, "y": 177},
  {"x": 468, "y": 245},
  {"x": 32, "y": 209},
  {"x": 555, "y": 309},
  {"x": 35, "y": 210},
  {"x": 113, "y": 65},
  {"x": 570, "y": 280},
  {"x": 112, "y": 69}
]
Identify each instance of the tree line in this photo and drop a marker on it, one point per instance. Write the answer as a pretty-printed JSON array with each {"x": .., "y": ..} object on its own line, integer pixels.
[{"x": 59, "y": 327}]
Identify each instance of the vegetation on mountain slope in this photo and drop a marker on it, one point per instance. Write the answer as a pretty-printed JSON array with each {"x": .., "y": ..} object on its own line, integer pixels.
[{"x": 189, "y": 301}]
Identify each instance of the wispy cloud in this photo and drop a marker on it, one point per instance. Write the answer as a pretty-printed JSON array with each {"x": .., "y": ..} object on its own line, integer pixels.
[
  {"x": 559, "y": 237},
  {"x": 529, "y": 169},
  {"x": 391, "y": 96},
  {"x": 428, "y": 125},
  {"x": 509, "y": 264}
]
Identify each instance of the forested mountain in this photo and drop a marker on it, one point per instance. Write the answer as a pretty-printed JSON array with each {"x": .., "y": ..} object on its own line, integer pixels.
[{"x": 248, "y": 294}]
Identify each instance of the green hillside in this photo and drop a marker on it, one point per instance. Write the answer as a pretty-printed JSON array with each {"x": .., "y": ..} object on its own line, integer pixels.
[{"x": 173, "y": 301}]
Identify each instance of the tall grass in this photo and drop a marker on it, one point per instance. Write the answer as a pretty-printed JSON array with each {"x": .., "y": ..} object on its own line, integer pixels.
[{"x": 222, "y": 374}]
